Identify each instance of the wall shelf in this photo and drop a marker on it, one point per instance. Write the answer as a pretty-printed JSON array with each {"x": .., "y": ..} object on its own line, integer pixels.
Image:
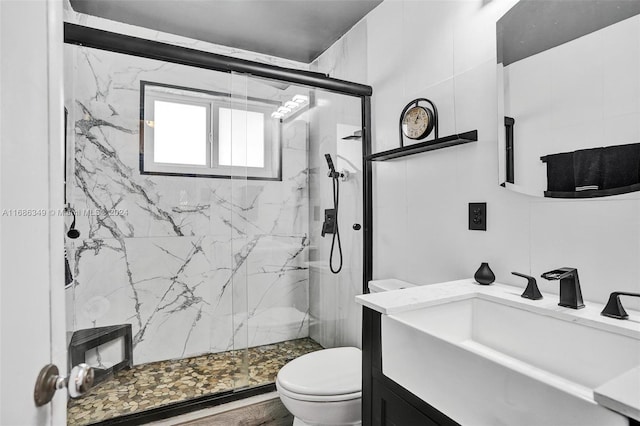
[
  {"x": 432, "y": 145},
  {"x": 593, "y": 193}
]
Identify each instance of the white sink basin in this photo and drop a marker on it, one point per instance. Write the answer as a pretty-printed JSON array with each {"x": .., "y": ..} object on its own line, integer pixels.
[{"x": 483, "y": 361}]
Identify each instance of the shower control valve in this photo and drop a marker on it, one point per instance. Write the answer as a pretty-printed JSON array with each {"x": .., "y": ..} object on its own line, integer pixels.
[{"x": 343, "y": 175}]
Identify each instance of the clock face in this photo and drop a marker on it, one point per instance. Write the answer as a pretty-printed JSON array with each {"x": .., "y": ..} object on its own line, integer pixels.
[{"x": 417, "y": 123}]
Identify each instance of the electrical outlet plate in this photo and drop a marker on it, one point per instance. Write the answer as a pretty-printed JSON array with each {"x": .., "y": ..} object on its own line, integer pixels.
[{"x": 478, "y": 216}]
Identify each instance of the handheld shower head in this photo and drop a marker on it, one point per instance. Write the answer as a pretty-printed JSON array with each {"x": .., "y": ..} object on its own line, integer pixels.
[
  {"x": 332, "y": 170},
  {"x": 330, "y": 224},
  {"x": 73, "y": 233},
  {"x": 330, "y": 162}
]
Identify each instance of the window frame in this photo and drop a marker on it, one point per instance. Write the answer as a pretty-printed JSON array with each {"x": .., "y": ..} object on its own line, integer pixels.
[{"x": 272, "y": 170}]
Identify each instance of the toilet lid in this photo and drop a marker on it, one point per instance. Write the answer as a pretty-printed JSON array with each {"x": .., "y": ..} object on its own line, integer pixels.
[{"x": 336, "y": 371}]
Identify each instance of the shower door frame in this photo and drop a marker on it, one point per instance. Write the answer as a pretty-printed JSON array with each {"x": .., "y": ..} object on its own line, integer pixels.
[{"x": 119, "y": 43}]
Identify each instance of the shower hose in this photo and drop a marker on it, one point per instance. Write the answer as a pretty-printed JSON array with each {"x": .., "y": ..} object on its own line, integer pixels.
[{"x": 336, "y": 235}]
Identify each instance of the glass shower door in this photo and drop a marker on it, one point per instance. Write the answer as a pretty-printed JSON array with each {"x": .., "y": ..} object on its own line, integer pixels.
[
  {"x": 278, "y": 208},
  {"x": 336, "y": 131},
  {"x": 233, "y": 153},
  {"x": 295, "y": 304}
]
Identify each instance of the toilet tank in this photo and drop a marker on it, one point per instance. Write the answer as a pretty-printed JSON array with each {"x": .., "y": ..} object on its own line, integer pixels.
[{"x": 378, "y": 286}]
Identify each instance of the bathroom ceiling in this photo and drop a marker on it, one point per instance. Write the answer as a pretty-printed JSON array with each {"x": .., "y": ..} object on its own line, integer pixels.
[{"x": 294, "y": 29}]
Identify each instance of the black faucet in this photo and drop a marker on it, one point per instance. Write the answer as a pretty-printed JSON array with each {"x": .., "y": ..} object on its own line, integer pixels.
[
  {"x": 531, "y": 292},
  {"x": 570, "y": 293},
  {"x": 614, "y": 308}
]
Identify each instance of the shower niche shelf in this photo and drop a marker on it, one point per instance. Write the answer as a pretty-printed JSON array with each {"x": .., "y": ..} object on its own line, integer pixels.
[{"x": 431, "y": 145}]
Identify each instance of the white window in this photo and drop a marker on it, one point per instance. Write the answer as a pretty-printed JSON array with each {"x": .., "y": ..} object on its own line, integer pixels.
[{"x": 200, "y": 133}]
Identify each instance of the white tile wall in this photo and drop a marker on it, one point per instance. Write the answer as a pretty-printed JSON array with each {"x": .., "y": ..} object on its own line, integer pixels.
[
  {"x": 426, "y": 25},
  {"x": 384, "y": 55},
  {"x": 621, "y": 87},
  {"x": 599, "y": 238},
  {"x": 445, "y": 50}
]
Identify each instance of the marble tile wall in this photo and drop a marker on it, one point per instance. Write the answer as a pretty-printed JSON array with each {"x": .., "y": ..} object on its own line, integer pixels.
[{"x": 196, "y": 265}]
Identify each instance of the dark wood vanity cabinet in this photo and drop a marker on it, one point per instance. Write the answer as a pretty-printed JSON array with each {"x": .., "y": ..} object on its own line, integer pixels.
[
  {"x": 384, "y": 402},
  {"x": 391, "y": 409}
]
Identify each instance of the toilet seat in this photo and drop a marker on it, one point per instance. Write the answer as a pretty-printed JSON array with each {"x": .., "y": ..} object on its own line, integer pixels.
[
  {"x": 317, "y": 398},
  {"x": 324, "y": 376}
]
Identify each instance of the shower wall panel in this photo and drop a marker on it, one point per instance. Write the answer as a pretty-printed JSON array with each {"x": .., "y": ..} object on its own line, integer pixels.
[{"x": 155, "y": 251}]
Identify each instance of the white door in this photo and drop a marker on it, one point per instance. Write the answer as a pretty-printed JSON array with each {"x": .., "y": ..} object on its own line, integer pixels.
[{"x": 32, "y": 331}]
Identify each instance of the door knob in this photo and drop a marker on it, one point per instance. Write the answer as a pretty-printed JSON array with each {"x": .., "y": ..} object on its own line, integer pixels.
[{"x": 78, "y": 383}]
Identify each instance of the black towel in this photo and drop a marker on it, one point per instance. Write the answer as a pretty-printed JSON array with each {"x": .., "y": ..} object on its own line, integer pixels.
[
  {"x": 620, "y": 165},
  {"x": 587, "y": 169},
  {"x": 560, "y": 172},
  {"x": 68, "y": 276}
]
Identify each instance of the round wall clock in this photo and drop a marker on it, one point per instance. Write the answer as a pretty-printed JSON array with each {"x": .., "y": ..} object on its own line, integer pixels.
[{"x": 417, "y": 122}]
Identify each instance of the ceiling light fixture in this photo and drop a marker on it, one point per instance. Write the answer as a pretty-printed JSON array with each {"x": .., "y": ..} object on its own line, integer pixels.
[
  {"x": 301, "y": 99},
  {"x": 290, "y": 107}
]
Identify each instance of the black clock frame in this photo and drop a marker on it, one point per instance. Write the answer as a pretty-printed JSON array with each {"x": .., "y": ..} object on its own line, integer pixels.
[{"x": 434, "y": 112}]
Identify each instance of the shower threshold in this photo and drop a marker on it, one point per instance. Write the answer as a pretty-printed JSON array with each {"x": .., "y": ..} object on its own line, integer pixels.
[{"x": 157, "y": 384}]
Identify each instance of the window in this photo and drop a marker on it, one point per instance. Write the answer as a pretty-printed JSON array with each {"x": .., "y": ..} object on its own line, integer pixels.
[{"x": 201, "y": 133}]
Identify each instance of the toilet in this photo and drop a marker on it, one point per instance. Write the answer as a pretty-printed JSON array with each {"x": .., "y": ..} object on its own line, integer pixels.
[{"x": 324, "y": 388}]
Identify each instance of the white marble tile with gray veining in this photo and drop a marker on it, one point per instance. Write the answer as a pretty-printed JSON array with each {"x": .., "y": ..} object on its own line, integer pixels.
[
  {"x": 158, "y": 285},
  {"x": 176, "y": 256}
]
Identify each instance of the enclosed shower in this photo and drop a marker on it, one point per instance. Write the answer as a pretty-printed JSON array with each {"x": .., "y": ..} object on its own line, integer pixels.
[{"x": 200, "y": 198}]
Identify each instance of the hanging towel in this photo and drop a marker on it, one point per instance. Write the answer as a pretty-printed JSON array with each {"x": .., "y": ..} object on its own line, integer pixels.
[
  {"x": 560, "y": 172},
  {"x": 587, "y": 169},
  {"x": 68, "y": 276},
  {"x": 620, "y": 166}
]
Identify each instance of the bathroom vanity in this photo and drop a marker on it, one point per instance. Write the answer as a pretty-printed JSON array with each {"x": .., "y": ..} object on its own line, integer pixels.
[{"x": 461, "y": 353}]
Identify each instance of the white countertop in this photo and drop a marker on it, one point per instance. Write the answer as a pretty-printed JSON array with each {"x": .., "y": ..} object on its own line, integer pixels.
[
  {"x": 621, "y": 394},
  {"x": 421, "y": 296}
]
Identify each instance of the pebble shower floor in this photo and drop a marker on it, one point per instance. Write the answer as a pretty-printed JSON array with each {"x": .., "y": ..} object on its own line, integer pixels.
[{"x": 161, "y": 383}]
